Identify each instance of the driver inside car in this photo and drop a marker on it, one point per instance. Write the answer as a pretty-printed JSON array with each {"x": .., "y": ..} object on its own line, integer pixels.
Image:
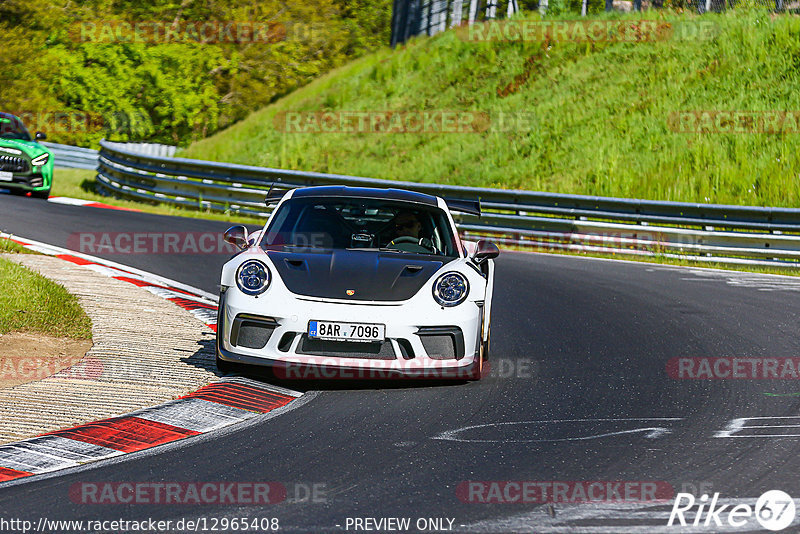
[
  {"x": 407, "y": 224},
  {"x": 407, "y": 228}
]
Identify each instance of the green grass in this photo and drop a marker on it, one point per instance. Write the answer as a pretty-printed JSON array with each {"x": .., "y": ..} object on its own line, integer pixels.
[
  {"x": 31, "y": 303},
  {"x": 10, "y": 247},
  {"x": 79, "y": 183},
  {"x": 600, "y": 111}
]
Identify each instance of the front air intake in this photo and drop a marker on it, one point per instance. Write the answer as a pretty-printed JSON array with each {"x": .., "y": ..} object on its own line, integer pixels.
[
  {"x": 346, "y": 349},
  {"x": 442, "y": 342},
  {"x": 251, "y": 331}
]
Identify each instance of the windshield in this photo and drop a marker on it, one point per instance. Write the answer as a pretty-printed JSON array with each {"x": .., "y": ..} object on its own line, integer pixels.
[
  {"x": 360, "y": 223},
  {"x": 12, "y": 128}
]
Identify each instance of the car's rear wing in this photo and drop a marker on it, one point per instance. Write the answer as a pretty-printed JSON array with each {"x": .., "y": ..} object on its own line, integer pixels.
[{"x": 472, "y": 207}]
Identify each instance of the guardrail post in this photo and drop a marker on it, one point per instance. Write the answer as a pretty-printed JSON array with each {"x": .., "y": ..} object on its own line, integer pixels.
[
  {"x": 473, "y": 11},
  {"x": 456, "y": 13}
]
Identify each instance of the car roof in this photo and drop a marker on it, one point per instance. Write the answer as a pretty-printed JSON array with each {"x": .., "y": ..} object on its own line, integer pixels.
[
  {"x": 8, "y": 115},
  {"x": 365, "y": 192}
]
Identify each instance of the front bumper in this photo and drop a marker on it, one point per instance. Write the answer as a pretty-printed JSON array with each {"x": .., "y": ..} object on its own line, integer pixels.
[
  {"x": 421, "y": 341},
  {"x": 32, "y": 181},
  {"x": 292, "y": 370}
]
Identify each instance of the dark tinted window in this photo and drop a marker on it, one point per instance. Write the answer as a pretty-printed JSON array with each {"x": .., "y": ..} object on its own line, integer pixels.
[
  {"x": 367, "y": 223},
  {"x": 12, "y": 128}
]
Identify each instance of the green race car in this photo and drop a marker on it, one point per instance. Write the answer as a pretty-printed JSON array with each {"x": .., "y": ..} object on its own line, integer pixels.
[{"x": 25, "y": 165}]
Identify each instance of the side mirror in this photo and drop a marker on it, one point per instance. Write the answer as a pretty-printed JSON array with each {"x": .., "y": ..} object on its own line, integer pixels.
[
  {"x": 237, "y": 236},
  {"x": 486, "y": 250},
  {"x": 40, "y": 136}
]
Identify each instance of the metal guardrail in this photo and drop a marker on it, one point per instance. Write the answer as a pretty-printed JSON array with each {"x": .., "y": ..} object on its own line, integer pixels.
[
  {"x": 73, "y": 157},
  {"x": 148, "y": 149},
  {"x": 529, "y": 219},
  {"x": 76, "y": 157},
  {"x": 415, "y": 17}
]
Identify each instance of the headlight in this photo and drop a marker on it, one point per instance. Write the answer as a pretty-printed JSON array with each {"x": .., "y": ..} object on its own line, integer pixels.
[
  {"x": 40, "y": 160},
  {"x": 253, "y": 277},
  {"x": 450, "y": 289}
]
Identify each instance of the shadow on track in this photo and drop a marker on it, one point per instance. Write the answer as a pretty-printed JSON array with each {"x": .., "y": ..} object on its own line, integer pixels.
[{"x": 203, "y": 358}]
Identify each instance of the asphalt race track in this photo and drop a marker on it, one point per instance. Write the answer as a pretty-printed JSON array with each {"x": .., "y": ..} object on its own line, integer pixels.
[{"x": 579, "y": 354}]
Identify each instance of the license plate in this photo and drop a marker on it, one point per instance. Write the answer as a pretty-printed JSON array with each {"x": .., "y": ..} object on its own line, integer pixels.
[
  {"x": 6, "y": 176},
  {"x": 346, "y": 331}
]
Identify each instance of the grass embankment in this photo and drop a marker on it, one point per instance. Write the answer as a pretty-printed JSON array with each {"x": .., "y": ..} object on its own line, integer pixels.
[
  {"x": 30, "y": 303},
  {"x": 601, "y": 113},
  {"x": 601, "y": 116}
]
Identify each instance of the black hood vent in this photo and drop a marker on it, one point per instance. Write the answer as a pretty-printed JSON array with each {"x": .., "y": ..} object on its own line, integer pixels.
[{"x": 355, "y": 274}]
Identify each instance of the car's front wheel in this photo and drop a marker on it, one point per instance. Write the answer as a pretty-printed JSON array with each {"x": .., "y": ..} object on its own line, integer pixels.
[
  {"x": 476, "y": 373},
  {"x": 223, "y": 367},
  {"x": 485, "y": 346},
  {"x": 45, "y": 194}
]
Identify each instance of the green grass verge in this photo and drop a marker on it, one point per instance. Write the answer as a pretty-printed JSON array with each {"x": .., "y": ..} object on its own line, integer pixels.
[
  {"x": 80, "y": 183},
  {"x": 31, "y": 303},
  {"x": 10, "y": 247},
  {"x": 600, "y": 114}
]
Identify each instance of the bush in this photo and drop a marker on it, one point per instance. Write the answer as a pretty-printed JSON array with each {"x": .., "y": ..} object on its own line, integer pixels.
[{"x": 79, "y": 91}]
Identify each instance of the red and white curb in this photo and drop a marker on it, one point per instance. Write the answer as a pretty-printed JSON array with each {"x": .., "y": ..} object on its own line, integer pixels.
[
  {"x": 88, "y": 203},
  {"x": 217, "y": 405},
  {"x": 212, "y": 407},
  {"x": 201, "y": 304}
]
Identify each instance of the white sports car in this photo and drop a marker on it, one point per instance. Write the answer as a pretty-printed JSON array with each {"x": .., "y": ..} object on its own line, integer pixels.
[{"x": 351, "y": 282}]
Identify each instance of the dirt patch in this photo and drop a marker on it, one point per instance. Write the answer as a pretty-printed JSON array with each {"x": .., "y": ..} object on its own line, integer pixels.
[{"x": 31, "y": 357}]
